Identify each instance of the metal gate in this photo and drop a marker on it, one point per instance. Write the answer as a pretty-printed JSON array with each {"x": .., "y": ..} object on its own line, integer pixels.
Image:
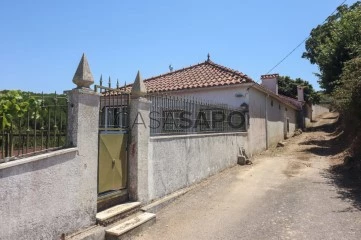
[{"x": 113, "y": 140}]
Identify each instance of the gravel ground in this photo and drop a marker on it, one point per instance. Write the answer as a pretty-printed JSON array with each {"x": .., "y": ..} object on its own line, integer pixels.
[{"x": 288, "y": 193}]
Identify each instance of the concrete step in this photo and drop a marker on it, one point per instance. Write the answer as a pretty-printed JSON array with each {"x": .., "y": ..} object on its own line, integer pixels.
[
  {"x": 112, "y": 199},
  {"x": 115, "y": 213},
  {"x": 130, "y": 227}
]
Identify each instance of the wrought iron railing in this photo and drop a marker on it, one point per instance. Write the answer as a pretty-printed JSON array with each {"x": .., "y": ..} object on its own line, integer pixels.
[
  {"x": 186, "y": 115},
  {"x": 114, "y": 107},
  {"x": 36, "y": 124}
]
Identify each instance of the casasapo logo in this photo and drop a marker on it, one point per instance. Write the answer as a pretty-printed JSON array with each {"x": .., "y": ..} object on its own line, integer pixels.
[{"x": 205, "y": 119}]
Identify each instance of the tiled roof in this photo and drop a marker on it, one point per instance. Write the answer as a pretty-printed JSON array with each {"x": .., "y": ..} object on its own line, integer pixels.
[
  {"x": 206, "y": 74},
  {"x": 202, "y": 75},
  {"x": 292, "y": 101},
  {"x": 269, "y": 76}
]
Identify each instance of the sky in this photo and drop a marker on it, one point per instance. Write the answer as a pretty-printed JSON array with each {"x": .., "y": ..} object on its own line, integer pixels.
[{"x": 41, "y": 42}]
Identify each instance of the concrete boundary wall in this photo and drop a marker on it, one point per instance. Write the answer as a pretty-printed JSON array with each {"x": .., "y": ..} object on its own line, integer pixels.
[
  {"x": 51, "y": 195},
  {"x": 161, "y": 165},
  {"x": 44, "y": 196},
  {"x": 175, "y": 162},
  {"x": 318, "y": 110}
]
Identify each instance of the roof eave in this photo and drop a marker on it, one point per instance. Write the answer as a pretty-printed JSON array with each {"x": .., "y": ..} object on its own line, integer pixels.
[{"x": 258, "y": 87}]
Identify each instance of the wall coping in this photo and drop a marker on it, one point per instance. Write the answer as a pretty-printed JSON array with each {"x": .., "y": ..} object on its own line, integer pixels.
[
  {"x": 198, "y": 135},
  {"x": 37, "y": 157}
]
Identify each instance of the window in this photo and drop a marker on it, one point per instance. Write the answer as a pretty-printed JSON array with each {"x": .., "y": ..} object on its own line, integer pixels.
[
  {"x": 279, "y": 106},
  {"x": 114, "y": 117},
  {"x": 272, "y": 103}
]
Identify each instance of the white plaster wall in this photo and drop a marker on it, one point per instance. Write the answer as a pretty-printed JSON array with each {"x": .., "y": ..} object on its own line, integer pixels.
[
  {"x": 276, "y": 121},
  {"x": 292, "y": 115},
  {"x": 307, "y": 113},
  {"x": 318, "y": 110},
  {"x": 176, "y": 162},
  {"x": 257, "y": 108},
  {"x": 257, "y": 122},
  {"x": 41, "y": 199},
  {"x": 224, "y": 95}
]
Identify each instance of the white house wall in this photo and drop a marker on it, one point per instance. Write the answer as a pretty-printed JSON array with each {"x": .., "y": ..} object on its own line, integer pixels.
[
  {"x": 224, "y": 95},
  {"x": 292, "y": 115},
  {"x": 276, "y": 121},
  {"x": 257, "y": 122},
  {"x": 261, "y": 136}
]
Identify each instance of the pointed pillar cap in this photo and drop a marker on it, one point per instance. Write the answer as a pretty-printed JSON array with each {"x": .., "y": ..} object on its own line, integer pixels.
[
  {"x": 83, "y": 77},
  {"x": 138, "y": 87}
]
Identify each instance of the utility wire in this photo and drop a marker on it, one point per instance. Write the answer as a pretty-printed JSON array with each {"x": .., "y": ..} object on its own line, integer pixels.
[{"x": 283, "y": 59}]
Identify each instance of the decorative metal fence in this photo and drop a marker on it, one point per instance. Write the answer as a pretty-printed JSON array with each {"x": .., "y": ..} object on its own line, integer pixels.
[
  {"x": 31, "y": 124},
  {"x": 114, "y": 107},
  {"x": 171, "y": 115}
]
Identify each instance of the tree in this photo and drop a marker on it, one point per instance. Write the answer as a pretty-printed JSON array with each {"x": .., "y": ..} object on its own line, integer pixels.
[
  {"x": 24, "y": 116},
  {"x": 334, "y": 43},
  {"x": 348, "y": 102},
  {"x": 17, "y": 106},
  {"x": 12, "y": 106},
  {"x": 348, "y": 94},
  {"x": 288, "y": 87}
]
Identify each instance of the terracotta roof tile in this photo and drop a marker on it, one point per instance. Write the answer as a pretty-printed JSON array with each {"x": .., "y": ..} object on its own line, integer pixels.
[
  {"x": 292, "y": 101},
  {"x": 206, "y": 74}
]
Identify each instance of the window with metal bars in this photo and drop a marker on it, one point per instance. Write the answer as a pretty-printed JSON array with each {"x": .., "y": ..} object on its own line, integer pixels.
[{"x": 114, "y": 117}]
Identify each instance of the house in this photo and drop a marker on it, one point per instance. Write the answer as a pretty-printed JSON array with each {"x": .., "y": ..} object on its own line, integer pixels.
[
  {"x": 107, "y": 159},
  {"x": 272, "y": 117}
]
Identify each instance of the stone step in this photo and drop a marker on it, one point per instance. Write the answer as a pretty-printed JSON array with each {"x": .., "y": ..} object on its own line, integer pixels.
[
  {"x": 112, "y": 199},
  {"x": 115, "y": 213},
  {"x": 130, "y": 227}
]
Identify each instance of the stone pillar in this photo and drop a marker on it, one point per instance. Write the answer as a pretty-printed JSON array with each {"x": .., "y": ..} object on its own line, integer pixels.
[
  {"x": 83, "y": 121},
  {"x": 138, "y": 148}
]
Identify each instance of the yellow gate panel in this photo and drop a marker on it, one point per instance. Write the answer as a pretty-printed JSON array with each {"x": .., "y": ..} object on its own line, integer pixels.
[{"x": 112, "y": 173}]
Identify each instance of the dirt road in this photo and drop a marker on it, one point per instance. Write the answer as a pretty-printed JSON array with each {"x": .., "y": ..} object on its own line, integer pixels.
[{"x": 288, "y": 193}]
